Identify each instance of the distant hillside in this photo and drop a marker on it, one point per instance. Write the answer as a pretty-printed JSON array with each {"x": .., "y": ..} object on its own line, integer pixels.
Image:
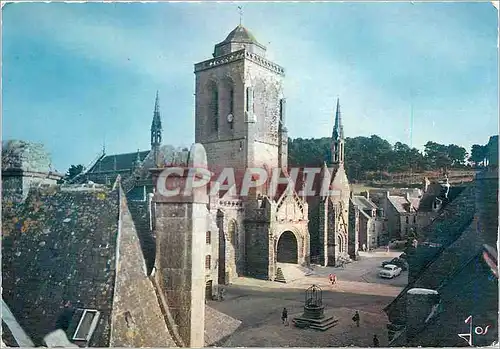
[{"x": 375, "y": 160}]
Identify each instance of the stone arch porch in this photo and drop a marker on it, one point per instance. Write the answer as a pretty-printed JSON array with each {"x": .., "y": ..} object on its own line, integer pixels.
[{"x": 297, "y": 232}]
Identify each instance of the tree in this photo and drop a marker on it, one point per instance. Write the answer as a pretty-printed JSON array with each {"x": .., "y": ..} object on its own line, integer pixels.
[
  {"x": 74, "y": 171},
  {"x": 456, "y": 155},
  {"x": 477, "y": 154},
  {"x": 437, "y": 155}
]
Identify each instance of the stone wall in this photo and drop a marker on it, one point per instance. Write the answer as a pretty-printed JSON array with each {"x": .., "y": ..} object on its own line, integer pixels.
[
  {"x": 25, "y": 165},
  {"x": 26, "y": 156},
  {"x": 257, "y": 249},
  {"x": 180, "y": 227}
]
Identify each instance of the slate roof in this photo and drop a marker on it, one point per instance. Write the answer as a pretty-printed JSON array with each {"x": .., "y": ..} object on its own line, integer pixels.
[
  {"x": 123, "y": 162},
  {"x": 48, "y": 244},
  {"x": 427, "y": 200},
  {"x": 400, "y": 203},
  {"x": 240, "y": 34},
  {"x": 471, "y": 290},
  {"x": 455, "y": 241},
  {"x": 363, "y": 202}
]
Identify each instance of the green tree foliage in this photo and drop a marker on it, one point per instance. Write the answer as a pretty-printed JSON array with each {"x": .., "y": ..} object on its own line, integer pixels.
[
  {"x": 478, "y": 154},
  {"x": 74, "y": 171},
  {"x": 373, "y": 154}
]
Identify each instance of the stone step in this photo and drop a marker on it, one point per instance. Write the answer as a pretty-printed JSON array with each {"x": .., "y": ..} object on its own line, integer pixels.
[
  {"x": 279, "y": 276},
  {"x": 315, "y": 324}
]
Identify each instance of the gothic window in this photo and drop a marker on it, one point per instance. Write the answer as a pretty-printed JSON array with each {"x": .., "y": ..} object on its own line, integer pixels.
[
  {"x": 231, "y": 105},
  {"x": 214, "y": 107},
  {"x": 414, "y": 219},
  {"x": 249, "y": 106},
  {"x": 407, "y": 219},
  {"x": 282, "y": 111},
  {"x": 232, "y": 234},
  {"x": 231, "y": 100},
  {"x": 208, "y": 262},
  {"x": 209, "y": 237}
]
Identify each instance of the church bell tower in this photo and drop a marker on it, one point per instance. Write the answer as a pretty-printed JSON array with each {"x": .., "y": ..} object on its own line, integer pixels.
[{"x": 239, "y": 107}]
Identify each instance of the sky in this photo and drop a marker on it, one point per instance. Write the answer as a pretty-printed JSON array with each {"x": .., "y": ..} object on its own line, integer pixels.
[{"x": 77, "y": 76}]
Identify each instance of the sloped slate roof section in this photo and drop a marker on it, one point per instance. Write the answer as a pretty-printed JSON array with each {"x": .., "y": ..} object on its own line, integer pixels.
[
  {"x": 444, "y": 230},
  {"x": 137, "y": 318},
  {"x": 60, "y": 246},
  {"x": 471, "y": 291},
  {"x": 123, "y": 162},
  {"x": 363, "y": 203}
]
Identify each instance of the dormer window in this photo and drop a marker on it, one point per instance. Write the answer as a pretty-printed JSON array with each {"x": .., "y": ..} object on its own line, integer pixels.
[
  {"x": 209, "y": 238},
  {"x": 86, "y": 325}
]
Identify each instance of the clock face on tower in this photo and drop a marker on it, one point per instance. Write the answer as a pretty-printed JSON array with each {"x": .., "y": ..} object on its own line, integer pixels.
[{"x": 230, "y": 118}]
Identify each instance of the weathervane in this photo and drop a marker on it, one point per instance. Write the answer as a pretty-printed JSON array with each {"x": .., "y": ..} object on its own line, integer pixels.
[{"x": 240, "y": 11}]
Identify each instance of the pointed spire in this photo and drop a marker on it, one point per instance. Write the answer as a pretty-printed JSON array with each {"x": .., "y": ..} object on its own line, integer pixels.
[
  {"x": 338, "y": 128},
  {"x": 156, "y": 124}
]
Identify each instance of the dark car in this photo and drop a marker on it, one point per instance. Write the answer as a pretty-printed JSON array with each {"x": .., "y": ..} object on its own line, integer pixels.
[{"x": 398, "y": 262}]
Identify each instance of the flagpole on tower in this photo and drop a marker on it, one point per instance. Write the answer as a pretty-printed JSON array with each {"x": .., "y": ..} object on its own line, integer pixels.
[{"x": 240, "y": 11}]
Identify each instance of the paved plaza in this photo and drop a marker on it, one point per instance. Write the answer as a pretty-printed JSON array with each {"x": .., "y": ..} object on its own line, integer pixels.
[{"x": 258, "y": 305}]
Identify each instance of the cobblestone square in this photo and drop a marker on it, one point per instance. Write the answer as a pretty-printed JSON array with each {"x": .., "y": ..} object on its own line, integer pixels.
[{"x": 258, "y": 305}]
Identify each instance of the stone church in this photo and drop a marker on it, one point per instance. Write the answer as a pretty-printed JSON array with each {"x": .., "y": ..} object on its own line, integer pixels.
[{"x": 240, "y": 121}]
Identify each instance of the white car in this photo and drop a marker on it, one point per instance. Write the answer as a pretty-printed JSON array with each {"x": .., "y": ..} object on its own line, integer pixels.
[{"x": 390, "y": 271}]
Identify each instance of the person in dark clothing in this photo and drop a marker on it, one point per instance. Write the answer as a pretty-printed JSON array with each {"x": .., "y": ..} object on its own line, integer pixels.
[
  {"x": 284, "y": 316},
  {"x": 375, "y": 341},
  {"x": 355, "y": 318}
]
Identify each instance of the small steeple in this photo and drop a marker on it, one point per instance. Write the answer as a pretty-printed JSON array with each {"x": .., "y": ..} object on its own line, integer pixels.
[
  {"x": 156, "y": 130},
  {"x": 337, "y": 145},
  {"x": 156, "y": 124},
  {"x": 338, "y": 128}
]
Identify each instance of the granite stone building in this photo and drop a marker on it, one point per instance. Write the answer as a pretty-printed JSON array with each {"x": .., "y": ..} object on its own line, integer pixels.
[
  {"x": 371, "y": 222},
  {"x": 240, "y": 117}
]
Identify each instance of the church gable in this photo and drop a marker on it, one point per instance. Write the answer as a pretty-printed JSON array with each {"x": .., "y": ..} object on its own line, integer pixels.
[
  {"x": 290, "y": 208},
  {"x": 340, "y": 180}
]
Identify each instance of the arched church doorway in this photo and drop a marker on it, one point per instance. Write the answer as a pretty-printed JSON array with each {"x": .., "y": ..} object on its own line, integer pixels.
[
  {"x": 222, "y": 248},
  {"x": 208, "y": 290},
  {"x": 287, "y": 250}
]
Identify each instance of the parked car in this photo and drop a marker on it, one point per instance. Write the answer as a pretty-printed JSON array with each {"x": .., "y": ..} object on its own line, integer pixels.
[
  {"x": 403, "y": 264},
  {"x": 390, "y": 271}
]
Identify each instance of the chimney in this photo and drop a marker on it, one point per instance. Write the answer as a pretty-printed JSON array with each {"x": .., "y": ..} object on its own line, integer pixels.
[
  {"x": 421, "y": 306},
  {"x": 180, "y": 228}
]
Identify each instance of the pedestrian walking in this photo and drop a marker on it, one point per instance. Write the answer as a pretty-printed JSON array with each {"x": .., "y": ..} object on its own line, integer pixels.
[
  {"x": 375, "y": 341},
  {"x": 364, "y": 247},
  {"x": 355, "y": 318},
  {"x": 334, "y": 281},
  {"x": 284, "y": 317},
  {"x": 330, "y": 277}
]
